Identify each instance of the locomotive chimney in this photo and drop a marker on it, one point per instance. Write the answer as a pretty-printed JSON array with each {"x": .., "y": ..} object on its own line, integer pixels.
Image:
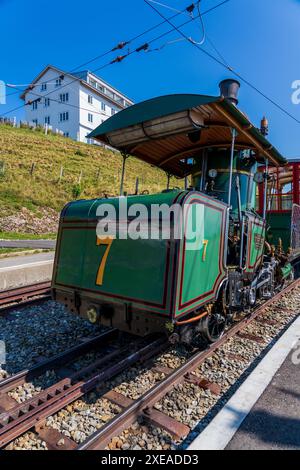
[
  {"x": 230, "y": 89},
  {"x": 264, "y": 126}
]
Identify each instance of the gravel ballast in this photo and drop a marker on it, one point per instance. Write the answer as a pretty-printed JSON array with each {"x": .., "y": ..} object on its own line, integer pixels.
[
  {"x": 39, "y": 332},
  {"x": 189, "y": 404}
]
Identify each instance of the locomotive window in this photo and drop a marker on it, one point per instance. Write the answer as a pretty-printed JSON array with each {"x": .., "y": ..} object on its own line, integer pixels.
[{"x": 287, "y": 188}]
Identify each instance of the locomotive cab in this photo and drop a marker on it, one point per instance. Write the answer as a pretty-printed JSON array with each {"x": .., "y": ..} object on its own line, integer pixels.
[
  {"x": 154, "y": 284},
  {"x": 212, "y": 176}
]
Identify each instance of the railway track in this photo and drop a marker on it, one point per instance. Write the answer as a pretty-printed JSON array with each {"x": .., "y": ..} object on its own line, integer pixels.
[
  {"x": 19, "y": 418},
  {"x": 143, "y": 407},
  {"x": 24, "y": 296},
  {"x": 58, "y": 363},
  {"x": 33, "y": 413}
]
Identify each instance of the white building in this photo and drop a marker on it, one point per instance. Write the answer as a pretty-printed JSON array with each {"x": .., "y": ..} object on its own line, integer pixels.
[{"x": 73, "y": 103}]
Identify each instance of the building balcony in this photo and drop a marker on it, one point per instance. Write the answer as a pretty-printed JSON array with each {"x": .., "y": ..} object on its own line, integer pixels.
[{"x": 110, "y": 94}]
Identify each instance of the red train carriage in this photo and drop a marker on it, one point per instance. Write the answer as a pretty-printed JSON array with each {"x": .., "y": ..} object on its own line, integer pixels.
[{"x": 283, "y": 207}]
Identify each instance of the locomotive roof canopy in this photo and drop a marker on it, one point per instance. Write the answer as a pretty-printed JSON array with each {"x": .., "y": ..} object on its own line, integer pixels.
[{"x": 168, "y": 130}]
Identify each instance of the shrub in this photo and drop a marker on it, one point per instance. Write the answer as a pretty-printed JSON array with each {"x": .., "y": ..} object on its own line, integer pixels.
[
  {"x": 76, "y": 191},
  {"x": 80, "y": 153}
]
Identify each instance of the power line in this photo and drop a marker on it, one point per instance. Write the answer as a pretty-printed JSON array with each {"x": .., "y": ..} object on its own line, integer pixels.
[
  {"x": 119, "y": 46},
  {"x": 165, "y": 6},
  {"x": 202, "y": 41},
  {"x": 218, "y": 52},
  {"x": 65, "y": 103},
  {"x": 239, "y": 76},
  {"x": 119, "y": 59}
]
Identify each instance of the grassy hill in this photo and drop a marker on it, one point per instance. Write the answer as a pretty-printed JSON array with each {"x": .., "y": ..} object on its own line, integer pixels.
[{"x": 100, "y": 171}]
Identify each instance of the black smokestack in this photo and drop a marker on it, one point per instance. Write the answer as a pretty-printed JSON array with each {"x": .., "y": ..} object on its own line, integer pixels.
[{"x": 230, "y": 90}]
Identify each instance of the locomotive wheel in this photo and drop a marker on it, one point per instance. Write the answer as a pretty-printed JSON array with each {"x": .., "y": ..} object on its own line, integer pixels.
[{"x": 213, "y": 327}]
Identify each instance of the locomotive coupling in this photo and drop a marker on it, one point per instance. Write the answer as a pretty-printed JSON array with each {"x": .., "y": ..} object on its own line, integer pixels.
[{"x": 92, "y": 315}]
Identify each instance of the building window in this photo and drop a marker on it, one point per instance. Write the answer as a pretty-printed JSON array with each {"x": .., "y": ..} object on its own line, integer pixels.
[
  {"x": 47, "y": 102},
  {"x": 90, "y": 117},
  {"x": 44, "y": 87},
  {"x": 103, "y": 107},
  {"x": 64, "y": 116},
  {"x": 120, "y": 100},
  {"x": 90, "y": 99},
  {"x": 110, "y": 93},
  {"x": 64, "y": 97},
  {"x": 47, "y": 120},
  {"x": 113, "y": 111},
  {"x": 35, "y": 122},
  {"x": 66, "y": 134},
  {"x": 58, "y": 82},
  {"x": 34, "y": 106}
]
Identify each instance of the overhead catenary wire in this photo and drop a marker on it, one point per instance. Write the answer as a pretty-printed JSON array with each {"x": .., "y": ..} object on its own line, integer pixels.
[
  {"x": 202, "y": 41},
  {"x": 67, "y": 104},
  {"x": 10, "y": 85},
  {"x": 166, "y": 6},
  {"x": 168, "y": 43},
  {"x": 121, "y": 58},
  {"x": 225, "y": 62},
  {"x": 121, "y": 45},
  {"x": 234, "y": 72}
]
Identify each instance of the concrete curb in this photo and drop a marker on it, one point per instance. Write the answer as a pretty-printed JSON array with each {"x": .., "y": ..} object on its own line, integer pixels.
[{"x": 23, "y": 275}]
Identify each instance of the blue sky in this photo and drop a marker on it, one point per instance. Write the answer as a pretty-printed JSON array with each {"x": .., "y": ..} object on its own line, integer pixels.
[{"x": 259, "y": 38}]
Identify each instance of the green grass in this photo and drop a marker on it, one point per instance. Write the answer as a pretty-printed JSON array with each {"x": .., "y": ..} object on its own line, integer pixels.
[
  {"x": 5, "y": 251},
  {"x": 20, "y": 148},
  {"x": 26, "y": 236}
]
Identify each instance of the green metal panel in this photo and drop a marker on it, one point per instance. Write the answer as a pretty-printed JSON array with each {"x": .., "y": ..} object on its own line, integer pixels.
[
  {"x": 280, "y": 227},
  {"x": 287, "y": 270},
  {"x": 141, "y": 272},
  {"x": 135, "y": 271},
  {"x": 256, "y": 241},
  {"x": 86, "y": 210},
  {"x": 201, "y": 269},
  {"x": 71, "y": 257}
]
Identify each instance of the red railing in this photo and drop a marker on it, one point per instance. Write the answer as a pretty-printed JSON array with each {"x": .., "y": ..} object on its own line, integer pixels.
[{"x": 283, "y": 188}]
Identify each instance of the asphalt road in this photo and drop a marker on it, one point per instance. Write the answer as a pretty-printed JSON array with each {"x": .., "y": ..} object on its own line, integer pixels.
[
  {"x": 31, "y": 244},
  {"x": 274, "y": 422},
  {"x": 25, "y": 260}
]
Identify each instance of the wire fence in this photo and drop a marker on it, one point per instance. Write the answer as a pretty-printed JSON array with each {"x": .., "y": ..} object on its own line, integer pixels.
[
  {"x": 46, "y": 128},
  {"x": 71, "y": 174},
  {"x": 73, "y": 180}
]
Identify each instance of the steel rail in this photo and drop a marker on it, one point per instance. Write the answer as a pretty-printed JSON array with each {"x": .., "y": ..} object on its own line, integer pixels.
[
  {"x": 23, "y": 296},
  {"x": 142, "y": 407},
  {"x": 60, "y": 360},
  {"x": 35, "y": 411}
]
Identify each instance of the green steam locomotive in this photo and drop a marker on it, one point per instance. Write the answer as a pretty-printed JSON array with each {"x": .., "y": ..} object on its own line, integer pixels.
[{"x": 190, "y": 260}]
